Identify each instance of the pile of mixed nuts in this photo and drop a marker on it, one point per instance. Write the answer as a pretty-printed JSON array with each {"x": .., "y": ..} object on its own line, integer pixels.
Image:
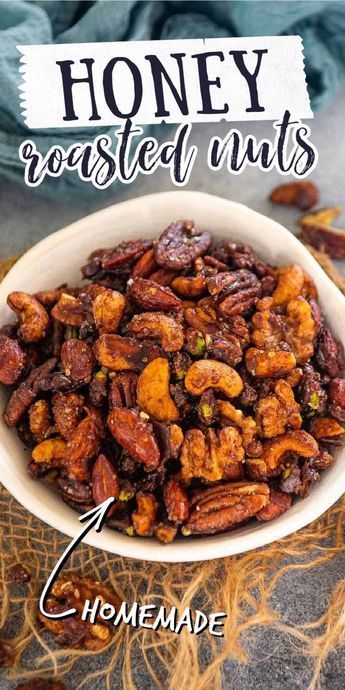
[{"x": 197, "y": 385}]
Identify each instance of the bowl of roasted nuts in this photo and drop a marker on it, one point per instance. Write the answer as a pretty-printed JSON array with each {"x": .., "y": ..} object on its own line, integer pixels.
[{"x": 180, "y": 353}]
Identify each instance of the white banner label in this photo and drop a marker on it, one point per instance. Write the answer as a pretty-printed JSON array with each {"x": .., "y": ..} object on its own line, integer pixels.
[{"x": 96, "y": 84}]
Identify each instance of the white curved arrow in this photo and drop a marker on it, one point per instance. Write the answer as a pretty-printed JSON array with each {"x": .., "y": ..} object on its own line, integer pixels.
[{"x": 97, "y": 517}]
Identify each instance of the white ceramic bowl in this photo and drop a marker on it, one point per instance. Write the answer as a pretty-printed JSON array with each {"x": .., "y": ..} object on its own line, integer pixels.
[{"x": 57, "y": 259}]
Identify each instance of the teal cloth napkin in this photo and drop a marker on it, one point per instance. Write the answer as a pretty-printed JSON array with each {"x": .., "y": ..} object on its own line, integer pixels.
[{"x": 320, "y": 23}]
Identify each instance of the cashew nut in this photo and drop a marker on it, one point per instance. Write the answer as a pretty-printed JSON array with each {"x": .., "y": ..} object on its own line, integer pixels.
[
  {"x": 153, "y": 391},
  {"x": 297, "y": 441},
  {"x": 158, "y": 325},
  {"x": 34, "y": 320},
  {"x": 108, "y": 308},
  {"x": 209, "y": 373},
  {"x": 51, "y": 451}
]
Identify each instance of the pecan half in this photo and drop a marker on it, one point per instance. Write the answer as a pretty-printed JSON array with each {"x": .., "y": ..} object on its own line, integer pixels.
[
  {"x": 324, "y": 238},
  {"x": 123, "y": 390},
  {"x": 278, "y": 504},
  {"x": 236, "y": 292},
  {"x": 336, "y": 392},
  {"x": 124, "y": 254},
  {"x": 219, "y": 508},
  {"x": 180, "y": 244},
  {"x": 329, "y": 353},
  {"x": 26, "y": 393}
]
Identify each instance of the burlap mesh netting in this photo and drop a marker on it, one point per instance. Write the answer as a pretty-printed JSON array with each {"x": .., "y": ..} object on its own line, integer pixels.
[{"x": 240, "y": 585}]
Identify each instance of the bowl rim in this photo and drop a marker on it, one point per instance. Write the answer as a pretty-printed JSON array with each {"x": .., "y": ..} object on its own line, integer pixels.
[{"x": 195, "y": 549}]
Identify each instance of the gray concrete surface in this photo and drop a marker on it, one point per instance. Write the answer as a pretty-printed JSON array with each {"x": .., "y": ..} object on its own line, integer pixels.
[{"x": 26, "y": 217}]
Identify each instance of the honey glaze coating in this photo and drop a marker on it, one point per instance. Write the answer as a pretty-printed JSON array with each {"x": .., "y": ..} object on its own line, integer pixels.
[{"x": 194, "y": 383}]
